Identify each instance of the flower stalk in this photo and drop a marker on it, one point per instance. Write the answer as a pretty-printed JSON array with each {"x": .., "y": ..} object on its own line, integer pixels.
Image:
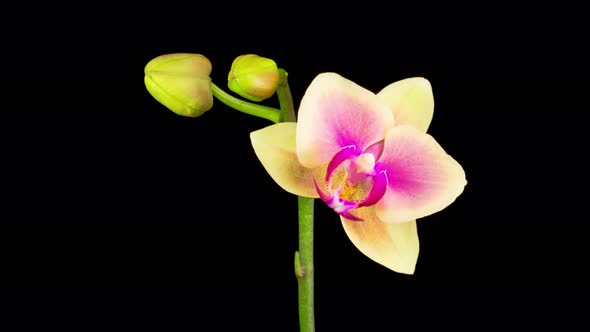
[
  {"x": 285, "y": 98},
  {"x": 243, "y": 106},
  {"x": 304, "y": 256},
  {"x": 304, "y": 265}
]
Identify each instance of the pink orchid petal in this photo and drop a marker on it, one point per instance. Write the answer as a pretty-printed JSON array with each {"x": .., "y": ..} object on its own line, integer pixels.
[
  {"x": 423, "y": 178},
  {"x": 411, "y": 102},
  {"x": 275, "y": 148},
  {"x": 395, "y": 246},
  {"x": 334, "y": 113}
]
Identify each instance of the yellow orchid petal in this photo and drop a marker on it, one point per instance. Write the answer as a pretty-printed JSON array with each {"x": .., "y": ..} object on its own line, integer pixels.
[
  {"x": 394, "y": 246},
  {"x": 275, "y": 148},
  {"x": 411, "y": 101}
]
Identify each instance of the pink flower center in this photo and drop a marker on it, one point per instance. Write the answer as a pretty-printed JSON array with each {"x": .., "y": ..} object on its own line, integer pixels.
[{"x": 352, "y": 182}]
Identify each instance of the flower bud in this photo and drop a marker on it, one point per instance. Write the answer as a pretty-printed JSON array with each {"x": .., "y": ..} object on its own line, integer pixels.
[
  {"x": 181, "y": 82},
  {"x": 253, "y": 77}
]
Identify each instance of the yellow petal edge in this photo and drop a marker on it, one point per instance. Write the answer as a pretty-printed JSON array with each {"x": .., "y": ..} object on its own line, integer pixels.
[
  {"x": 411, "y": 101},
  {"x": 395, "y": 246},
  {"x": 275, "y": 148}
]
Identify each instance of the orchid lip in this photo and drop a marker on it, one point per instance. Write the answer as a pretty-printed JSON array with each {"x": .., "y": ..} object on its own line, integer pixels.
[
  {"x": 341, "y": 156},
  {"x": 337, "y": 203},
  {"x": 344, "y": 206},
  {"x": 377, "y": 191},
  {"x": 359, "y": 166},
  {"x": 350, "y": 216}
]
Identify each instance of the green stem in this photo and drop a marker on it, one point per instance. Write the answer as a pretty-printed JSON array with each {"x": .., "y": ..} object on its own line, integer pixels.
[
  {"x": 303, "y": 257},
  {"x": 285, "y": 98},
  {"x": 261, "y": 111},
  {"x": 304, "y": 265}
]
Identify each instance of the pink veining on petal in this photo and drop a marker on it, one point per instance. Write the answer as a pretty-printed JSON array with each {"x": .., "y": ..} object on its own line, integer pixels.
[
  {"x": 422, "y": 177},
  {"x": 335, "y": 113},
  {"x": 356, "y": 126}
]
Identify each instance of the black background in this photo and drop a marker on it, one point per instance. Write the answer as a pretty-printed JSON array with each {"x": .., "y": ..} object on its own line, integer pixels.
[{"x": 118, "y": 214}]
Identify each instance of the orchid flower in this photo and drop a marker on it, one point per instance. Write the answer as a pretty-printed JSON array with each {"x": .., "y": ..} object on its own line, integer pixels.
[{"x": 368, "y": 157}]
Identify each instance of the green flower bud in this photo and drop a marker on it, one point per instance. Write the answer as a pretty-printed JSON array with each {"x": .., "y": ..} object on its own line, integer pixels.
[
  {"x": 181, "y": 82},
  {"x": 253, "y": 77}
]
